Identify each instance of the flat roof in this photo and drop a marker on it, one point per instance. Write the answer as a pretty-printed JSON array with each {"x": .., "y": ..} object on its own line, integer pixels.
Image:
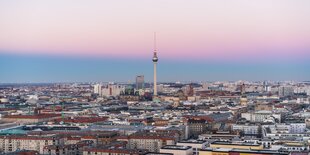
[
  {"x": 193, "y": 141},
  {"x": 230, "y": 143},
  {"x": 244, "y": 151},
  {"x": 176, "y": 147},
  {"x": 155, "y": 153}
]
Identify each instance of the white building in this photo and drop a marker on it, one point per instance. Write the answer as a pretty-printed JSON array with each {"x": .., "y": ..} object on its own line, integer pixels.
[
  {"x": 246, "y": 128},
  {"x": 98, "y": 89},
  {"x": 261, "y": 116},
  {"x": 297, "y": 127},
  {"x": 296, "y": 130}
]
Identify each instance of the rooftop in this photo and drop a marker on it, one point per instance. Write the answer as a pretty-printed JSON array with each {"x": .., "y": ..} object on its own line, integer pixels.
[
  {"x": 244, "y": 151},
  {"x": 231, "y": 143},
  {"x": 40, "y": 116},
  {"x": 176, "y": 147},
  {"x": 116, "y": 150},
  {"x": 193, "y": 141}
]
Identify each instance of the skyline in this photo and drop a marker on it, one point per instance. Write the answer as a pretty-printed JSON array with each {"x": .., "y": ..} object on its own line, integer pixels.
[
  {"x": 38, "y": 68},
  {"x": 198, "y": 41}
]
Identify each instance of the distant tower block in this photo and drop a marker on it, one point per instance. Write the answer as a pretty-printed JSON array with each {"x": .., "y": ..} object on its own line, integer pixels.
[
  {"x": 140, "y": 82},
  {"x": 242, "y": 89},
  {"x": 98, "y": 89},
  {"x": 155, "y": 60}
]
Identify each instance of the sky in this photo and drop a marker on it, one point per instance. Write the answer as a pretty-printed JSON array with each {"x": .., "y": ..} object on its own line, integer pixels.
[{"x": 200, "y": 40}]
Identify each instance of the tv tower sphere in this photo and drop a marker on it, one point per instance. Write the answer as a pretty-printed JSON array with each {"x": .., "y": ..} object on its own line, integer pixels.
[{"x": 155, "y": 58}]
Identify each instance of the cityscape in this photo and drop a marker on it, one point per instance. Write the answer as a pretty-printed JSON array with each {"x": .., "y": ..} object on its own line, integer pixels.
[{"x": 77, "y": 78}]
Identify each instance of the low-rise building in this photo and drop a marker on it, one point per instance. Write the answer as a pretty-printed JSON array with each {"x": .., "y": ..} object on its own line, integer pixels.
[
  {"x": 230, "y": 151},
  {"x": 148, "y": 141},
  {"x": 231, "y": 145},
  {"x": 69, "y": 149},
  {"x": 261, "y": 116},
  {"x": 246, "y": 128},
  {"x": 27, "y": 119},
  {"x": 195, "y": 144},
  {"x": 177, "y": 150}
]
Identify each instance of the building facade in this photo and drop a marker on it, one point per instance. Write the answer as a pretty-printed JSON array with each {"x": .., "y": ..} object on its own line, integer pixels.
[{"x": 140, "y": 82}]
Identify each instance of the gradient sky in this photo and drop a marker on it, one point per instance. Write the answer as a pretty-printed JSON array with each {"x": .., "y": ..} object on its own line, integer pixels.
[{"x": 200, "y": 40}]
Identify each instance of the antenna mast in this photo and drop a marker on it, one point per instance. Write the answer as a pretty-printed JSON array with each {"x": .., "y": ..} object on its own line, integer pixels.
[{"x": 155, "y": 48}]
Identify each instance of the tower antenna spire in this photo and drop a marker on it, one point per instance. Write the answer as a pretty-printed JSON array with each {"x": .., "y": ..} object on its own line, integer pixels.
[{"x": 155, "y": 48}]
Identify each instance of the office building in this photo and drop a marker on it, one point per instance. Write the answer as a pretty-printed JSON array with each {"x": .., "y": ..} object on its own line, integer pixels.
[{"x": 140, "y": 82}]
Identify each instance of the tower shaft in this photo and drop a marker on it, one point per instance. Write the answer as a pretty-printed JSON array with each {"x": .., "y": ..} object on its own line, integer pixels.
[{"x": 155, "y": 79}]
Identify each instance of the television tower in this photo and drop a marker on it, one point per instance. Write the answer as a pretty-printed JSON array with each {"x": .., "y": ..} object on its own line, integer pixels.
[{"x": 155, "y": 60}]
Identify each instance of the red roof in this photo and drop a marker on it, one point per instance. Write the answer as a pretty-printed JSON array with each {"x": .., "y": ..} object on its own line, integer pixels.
[
  {"x": 84, "y": 119},
  {"x": 39, "y": 116}
]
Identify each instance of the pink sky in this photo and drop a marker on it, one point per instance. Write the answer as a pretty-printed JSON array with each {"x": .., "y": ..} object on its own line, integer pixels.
[{"x": 186, "y": 29}]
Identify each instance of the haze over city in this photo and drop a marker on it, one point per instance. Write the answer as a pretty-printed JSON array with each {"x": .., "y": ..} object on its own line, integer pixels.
[{"x": 82, "y": 41}]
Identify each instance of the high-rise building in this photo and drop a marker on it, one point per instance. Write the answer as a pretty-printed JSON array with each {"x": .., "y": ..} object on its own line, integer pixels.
[
  {"x": 286, "y": 91},
  {"x": 112, "y": 90},
  {"x": 98, "y": 89},
  {"x": 266, "y": 86},
  {"x": 140, "y": 82},
  {"x": 242, "y": 88}
]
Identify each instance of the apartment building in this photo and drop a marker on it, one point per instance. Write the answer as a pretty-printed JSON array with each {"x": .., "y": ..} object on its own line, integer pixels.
[
  {"x": 148, "y": 141},
  {"x": 35, "y": 143}
]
